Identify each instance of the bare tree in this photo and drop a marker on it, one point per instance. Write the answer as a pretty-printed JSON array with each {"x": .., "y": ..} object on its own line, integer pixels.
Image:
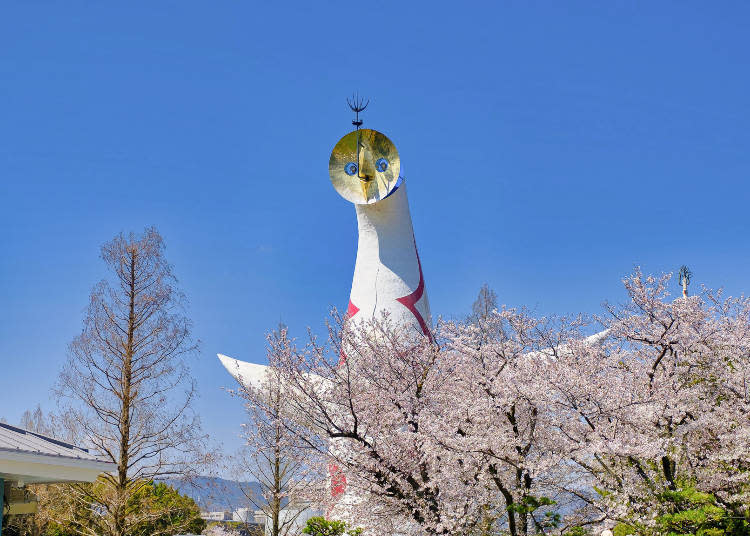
[
  {"x": 36, "y": 421},
  {"x": 484, "y": 305},
  {"x": 126, "y": 388},
  {"x": 273, "y": 455}
]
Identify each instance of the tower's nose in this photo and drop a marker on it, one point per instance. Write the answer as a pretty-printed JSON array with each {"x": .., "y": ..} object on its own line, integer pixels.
[{"x": 366, "y": 164}]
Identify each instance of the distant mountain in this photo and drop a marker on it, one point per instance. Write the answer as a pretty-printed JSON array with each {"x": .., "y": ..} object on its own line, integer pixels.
[{"x": 214, "y": 494}]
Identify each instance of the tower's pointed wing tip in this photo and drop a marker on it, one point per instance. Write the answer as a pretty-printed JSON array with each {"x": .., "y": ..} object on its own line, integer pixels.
[
  {"x": 226, "y": 360},
  {"x": 247, "y": 374},
  {"x": 232, "y": 365}
]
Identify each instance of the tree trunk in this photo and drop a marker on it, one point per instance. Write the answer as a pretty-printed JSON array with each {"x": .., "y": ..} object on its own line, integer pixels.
[
  {"x": 668, "y": 467},
  {"x": 127, "y": 376},
  {"x": 509, "y": 502},
  {"x": 277, "y": 483}
]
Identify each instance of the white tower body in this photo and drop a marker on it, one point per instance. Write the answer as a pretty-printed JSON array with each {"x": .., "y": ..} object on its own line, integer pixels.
[{"x": 388, "y": 273}]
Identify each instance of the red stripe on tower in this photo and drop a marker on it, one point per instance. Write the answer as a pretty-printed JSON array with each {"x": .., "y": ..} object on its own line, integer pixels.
[{"x": 410, "y": 301}]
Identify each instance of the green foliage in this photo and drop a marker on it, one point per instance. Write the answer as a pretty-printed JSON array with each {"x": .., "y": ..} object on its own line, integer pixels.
[
  {"x": 60, "y": 513},
  {"x": 575, "y": 531},
  {"x": 688, "y": 511},
  {"x": 156, "y": 508},
  {"x": 168, "y": 509},
  {"x": 531, "y": 504},
  {"x": 623, "y": 529},
  {"x": 320, "y": 526}
]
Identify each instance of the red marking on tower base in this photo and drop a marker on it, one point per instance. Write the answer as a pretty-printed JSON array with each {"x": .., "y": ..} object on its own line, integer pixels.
[
  {"x": 338, "y": 480},
  {"x": 410, "y": 301},
  {"x": 338, "y": 485},
  {"x": 351, "y": 310}
]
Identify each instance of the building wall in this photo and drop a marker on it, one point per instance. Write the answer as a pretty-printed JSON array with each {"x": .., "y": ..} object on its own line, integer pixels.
[
  {"x": 285, "y": 515},
  {"x": 217, "y": 516}
]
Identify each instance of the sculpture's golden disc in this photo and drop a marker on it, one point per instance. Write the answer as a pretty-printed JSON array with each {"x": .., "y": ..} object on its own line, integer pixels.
[{"x": 366, "y": 175}]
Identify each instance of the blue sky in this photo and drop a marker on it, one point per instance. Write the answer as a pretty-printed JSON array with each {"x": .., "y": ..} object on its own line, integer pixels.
[{"x": 549, "y": 148}]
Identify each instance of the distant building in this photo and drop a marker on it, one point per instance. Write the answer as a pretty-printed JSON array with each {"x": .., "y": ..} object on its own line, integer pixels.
[
  {"x": 244, "y": 515},
  {"x": 231, "y": 528},
  {"x": 217, "y": 516},
  {"x": 295, "y": 516}
]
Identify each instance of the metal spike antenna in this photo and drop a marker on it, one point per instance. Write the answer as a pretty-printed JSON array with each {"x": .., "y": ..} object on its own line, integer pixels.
[
  {"x": 684, "y": 275},
  {"x": 357, "y": 104}
]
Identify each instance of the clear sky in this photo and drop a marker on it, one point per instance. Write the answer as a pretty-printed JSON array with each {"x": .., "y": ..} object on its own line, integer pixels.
[{"x": 549, "y": 148}]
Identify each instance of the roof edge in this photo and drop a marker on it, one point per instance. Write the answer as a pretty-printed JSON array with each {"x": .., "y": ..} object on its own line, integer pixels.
[{"x": 56, "y": 459}]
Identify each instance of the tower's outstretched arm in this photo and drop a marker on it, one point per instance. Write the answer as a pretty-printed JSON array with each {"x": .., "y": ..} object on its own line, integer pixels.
[{"x": 249, "y": 375}]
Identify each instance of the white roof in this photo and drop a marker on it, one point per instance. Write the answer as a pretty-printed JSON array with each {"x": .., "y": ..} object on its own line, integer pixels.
[{"x": 30, "y": 457}]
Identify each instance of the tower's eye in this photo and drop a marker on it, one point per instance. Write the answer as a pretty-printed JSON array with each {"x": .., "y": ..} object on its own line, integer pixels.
[
  {"x": 350, "y": 168},
  {"x": 381, "y": 165}
]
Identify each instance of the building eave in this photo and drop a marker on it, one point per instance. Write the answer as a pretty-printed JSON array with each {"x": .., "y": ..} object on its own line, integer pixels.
[{"x": 36, "y": 468}]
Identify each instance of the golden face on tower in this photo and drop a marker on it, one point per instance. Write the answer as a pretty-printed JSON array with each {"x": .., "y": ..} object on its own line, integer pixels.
[{"x": 364, "y": 166}]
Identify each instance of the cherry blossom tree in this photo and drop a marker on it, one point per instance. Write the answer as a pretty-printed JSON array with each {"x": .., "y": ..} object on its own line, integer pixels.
[
  {"x": 486, "y": 425},
  {"x": 662, "y": 403},
  {"x": 371, "y": 414},
  {"x": 500, "y": 410}
]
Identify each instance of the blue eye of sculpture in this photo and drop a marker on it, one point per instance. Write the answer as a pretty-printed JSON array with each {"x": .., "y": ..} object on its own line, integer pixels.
[
  {"x": 350, "y": 168},
  {"x": 381, "y": 165}
]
